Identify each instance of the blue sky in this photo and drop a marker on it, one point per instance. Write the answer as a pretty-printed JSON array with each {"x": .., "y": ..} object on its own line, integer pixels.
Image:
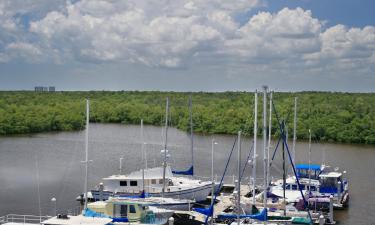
[
  {"x": 351, "y": 13},
  {"x": 188, "y": 45}
]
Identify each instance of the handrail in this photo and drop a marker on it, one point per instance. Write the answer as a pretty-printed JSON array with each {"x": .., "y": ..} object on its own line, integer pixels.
[{"x": 23, "y": 218}]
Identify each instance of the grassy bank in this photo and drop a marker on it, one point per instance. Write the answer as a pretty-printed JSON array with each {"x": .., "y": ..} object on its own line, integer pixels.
[{"x": 337, "y": 117}]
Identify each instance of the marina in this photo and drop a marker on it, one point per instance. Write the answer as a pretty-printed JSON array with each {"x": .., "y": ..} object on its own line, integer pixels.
[
  {"x": 224, "y": 201},
  {"x": 187, "y": 112}
]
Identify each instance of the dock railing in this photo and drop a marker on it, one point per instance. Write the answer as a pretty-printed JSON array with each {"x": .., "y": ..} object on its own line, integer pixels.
[{"x": 24, "y": 219}]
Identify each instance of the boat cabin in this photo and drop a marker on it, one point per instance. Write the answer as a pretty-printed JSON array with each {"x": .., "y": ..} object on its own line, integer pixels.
[
  {"x": 126, "y": 211},
  {"x": 133, "y": 182},
  {"x": 331, "y": 182}
]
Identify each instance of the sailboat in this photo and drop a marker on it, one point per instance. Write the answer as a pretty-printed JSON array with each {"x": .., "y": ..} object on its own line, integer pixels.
[
  {"x": 158, "y": 181},
  {"x": 268, "y": 211}
]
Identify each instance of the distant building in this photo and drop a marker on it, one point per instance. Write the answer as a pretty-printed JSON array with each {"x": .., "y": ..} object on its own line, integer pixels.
[{"x": 44, "y": 89}]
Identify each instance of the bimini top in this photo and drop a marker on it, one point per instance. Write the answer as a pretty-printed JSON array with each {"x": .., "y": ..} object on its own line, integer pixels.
[{"x": 307, "y": 166}]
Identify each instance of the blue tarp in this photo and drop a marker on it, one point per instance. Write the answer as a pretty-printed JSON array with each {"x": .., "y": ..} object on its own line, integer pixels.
[
  {"x": 92, "y": 213},
  {"x": 120, "y": 220},
  {"x": 190, "y": 171},
  {"x": 142, "y": 195},
  {"x": 306, "y": 167},
  {"x": 204, "y": 211},
  {"x": 262, "y": 216}
]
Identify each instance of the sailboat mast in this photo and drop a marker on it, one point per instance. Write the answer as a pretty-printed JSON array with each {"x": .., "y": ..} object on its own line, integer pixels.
[
  {"x": 239, "y": 177},
  {"x": 191, "y": 132},
  {"x": 295, "y": 130},
  {"x": 265, "y": 147},
  {"x": 143, "y": 157},
  {"x": 255, "y": 143},
  {"x": 309, "y": 160},
  {"x": 165, "y": 145},
  {"x": 269, "y": 138},
  {"x": 284, "y": 174},
  {"x": 87, "y": 151}
]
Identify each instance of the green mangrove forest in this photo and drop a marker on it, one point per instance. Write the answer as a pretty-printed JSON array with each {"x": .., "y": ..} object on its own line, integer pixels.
[{"x": 334, "y": 117}]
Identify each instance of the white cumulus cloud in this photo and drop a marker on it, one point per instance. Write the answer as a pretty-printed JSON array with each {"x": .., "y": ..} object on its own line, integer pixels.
[{"x": 180, "y": 34}]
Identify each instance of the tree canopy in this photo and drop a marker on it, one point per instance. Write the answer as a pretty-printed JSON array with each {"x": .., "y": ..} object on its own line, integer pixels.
[{"x": 336, "y": 117}]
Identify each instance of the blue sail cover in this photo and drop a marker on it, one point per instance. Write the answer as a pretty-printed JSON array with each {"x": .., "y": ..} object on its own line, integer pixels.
[
  {"x": 92, "y": 213},
  {"x": 262, "y": 216},
  {"x": 204, "y": 211},
  {"x": 142, "y": 195},
  {"x": 190, "y": 172}
]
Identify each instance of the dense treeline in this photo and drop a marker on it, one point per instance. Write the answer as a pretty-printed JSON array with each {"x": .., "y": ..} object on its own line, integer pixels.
[{"x": 339, "y": 117}]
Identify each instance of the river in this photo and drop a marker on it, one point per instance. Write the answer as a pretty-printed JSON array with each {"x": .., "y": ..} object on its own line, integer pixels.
[{"x": 58, "y": 157}]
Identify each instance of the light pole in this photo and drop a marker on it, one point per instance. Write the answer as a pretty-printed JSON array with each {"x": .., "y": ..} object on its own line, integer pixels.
[
  {"x": 54, "y": 203},
  {"x": 120, "y": 168}
]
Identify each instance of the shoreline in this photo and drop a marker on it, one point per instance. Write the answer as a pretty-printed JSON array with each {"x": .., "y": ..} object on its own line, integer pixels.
[{"x": 195, "y": 133}]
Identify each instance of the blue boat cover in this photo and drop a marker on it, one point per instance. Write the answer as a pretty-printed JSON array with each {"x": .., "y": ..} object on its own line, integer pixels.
[
  {"x": 142, "y": 195},
  {"x": 306, "y": 167},
  {"x": 190, "y": 171},
  {"x": 120, "y": 220},
  {"x": 262, "y": 216},
  {"x": 92, "y": 213},
  {"x": 204, "y": 211}
]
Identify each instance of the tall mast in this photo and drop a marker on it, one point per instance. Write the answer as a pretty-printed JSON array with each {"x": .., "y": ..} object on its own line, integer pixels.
[
  {"x": 284, "y": 174},
  {"x": 239, "y": 177},
  {"x": 143, "y": 157},
  {"x": 212, "y": 177},
  {"x": 269, "y": 137},
  {"x": 87, "y": 151},
  {"x": 165, "y": 145},
  {"x": 191, "y": 132},
  {"x": 255, "y": 143},
  {"x": 295, "y": 130},
  {"x": 265, "y": 147},
  {"x": 309, "y": 161}
]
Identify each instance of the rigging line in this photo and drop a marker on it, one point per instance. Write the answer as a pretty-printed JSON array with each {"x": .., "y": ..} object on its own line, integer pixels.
[
  {"x": 247, "y": 161},
  {"x": 222, "y": 178},
  {"x": 290, "y": 158}
]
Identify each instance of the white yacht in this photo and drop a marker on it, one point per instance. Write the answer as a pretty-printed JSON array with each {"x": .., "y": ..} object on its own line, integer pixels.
[{"x": 151, "y": 181}]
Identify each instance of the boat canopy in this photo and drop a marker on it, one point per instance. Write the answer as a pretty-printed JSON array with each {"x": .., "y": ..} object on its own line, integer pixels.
[
  {"x": 190, "y": 172},
  {"x": 262, "y": 216},
  {"x": 307, "y": 166}
]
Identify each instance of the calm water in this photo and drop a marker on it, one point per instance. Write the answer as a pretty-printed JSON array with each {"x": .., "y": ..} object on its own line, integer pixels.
[{"x": 59, "y": 155}]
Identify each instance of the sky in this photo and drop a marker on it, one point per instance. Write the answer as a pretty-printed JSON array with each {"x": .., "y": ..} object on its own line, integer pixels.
[{"x": 188, "y": 45}]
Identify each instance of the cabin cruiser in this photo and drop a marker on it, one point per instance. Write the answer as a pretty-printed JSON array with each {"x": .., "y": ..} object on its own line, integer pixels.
[
  {"x": 127, "y": 210},
  {"x": 151, "y": 182},
  {"x": 323, "y": 181}
]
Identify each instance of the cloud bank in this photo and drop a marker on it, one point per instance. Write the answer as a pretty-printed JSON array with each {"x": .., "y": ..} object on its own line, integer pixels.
[{"x": 181, "y": 34}]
